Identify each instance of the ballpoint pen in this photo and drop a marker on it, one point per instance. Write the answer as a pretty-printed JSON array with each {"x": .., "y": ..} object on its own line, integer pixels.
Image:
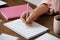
[{"x": 27, "y": 9}]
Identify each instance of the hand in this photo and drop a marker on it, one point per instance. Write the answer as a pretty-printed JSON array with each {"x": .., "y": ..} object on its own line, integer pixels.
[{"x": 32, "y": 16}]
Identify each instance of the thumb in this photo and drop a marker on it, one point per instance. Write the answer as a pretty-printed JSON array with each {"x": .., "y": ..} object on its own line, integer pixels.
[{"x": 30, "y": 18}]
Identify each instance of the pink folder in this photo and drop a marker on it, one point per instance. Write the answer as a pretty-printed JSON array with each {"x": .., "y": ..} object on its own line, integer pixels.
[{"x": 14, "y": 12}]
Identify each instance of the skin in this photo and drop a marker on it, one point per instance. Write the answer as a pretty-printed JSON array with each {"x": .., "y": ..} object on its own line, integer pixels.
[{"x": 34, "y": 14}]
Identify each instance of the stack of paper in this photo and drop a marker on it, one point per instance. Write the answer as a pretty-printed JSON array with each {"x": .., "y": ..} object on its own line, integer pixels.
[
  {"x": 25, "y": 30},
  {"x": 35, "y": 2},
  {"x": 7, "y": 37},
  {"x": 2, "y": 3},
  {"x": 47, "y": 36}
]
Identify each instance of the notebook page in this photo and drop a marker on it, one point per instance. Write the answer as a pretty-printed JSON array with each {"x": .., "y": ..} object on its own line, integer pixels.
[
  {"x": 24, "y": 30},
  {"x": 2, "y": 3},
  {"x": 47, "y": 36},
  {"x": 7, "y": 37},
  {"x": 35, "y": 2}
]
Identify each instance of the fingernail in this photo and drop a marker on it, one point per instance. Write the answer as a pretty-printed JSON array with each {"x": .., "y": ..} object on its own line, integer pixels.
[{"x": 27, "y": 20}]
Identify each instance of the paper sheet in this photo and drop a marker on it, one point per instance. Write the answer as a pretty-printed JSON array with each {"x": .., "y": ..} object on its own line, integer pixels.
[
  {"x": 24, "y": 30},
  {"x": 7, "y": 37},
  {"x": 35, "y": 2},
  {"x": 47, "y": 36},
  {"x": 2, "y": 3}
]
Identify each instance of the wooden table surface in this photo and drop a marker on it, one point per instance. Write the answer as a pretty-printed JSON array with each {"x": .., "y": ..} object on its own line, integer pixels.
[{"x": 46, "y": 20}]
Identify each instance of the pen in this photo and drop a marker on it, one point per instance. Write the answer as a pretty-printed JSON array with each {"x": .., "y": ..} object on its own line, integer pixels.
[{"x": 27, "y": 8}]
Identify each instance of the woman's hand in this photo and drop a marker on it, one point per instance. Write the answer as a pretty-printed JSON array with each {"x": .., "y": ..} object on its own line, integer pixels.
[{"x": 32, "y": 16}]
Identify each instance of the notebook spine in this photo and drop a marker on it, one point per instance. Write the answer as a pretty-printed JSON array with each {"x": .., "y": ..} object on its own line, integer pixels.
[{"x": 3, "y": 17}]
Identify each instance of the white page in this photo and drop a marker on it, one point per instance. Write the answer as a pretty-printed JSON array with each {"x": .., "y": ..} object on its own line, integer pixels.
[
  {"x": 7, "y": 37},
  {"x": 47, "y": 36},
  {"x": 24, "y": 30},
  {"x": 35, "y": 2},
  {"x": 2, "y": 3}
]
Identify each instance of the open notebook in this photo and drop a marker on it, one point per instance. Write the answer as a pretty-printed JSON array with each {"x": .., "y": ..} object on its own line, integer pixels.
[
  {"x": 7, "y": 37},
  {"x": 35, "y": 2},
  {"x": 47, "y": 36},
  {"x": 2, "y": 3},
  {"x": 13, "y": 12},
  {"x": 25, "y": 30}
]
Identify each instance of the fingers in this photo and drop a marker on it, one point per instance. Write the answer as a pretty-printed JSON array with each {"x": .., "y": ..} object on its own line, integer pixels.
[
  {"x": 32, "y": 16},
  {"x": 23, "y": 17}
]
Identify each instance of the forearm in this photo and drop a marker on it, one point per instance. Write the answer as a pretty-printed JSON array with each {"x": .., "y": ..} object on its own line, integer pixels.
[{"x": 41, "y": 9}]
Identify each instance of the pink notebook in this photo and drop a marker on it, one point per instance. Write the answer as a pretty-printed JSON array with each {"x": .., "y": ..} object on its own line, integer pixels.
[{"x": 14, "y": 12}]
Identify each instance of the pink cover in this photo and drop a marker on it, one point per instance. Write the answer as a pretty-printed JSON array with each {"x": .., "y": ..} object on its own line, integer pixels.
[{"x": 14, "y": 12}]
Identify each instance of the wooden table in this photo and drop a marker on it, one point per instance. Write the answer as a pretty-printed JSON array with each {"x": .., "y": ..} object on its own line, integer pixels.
[{"x": 46, "y": 20}]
